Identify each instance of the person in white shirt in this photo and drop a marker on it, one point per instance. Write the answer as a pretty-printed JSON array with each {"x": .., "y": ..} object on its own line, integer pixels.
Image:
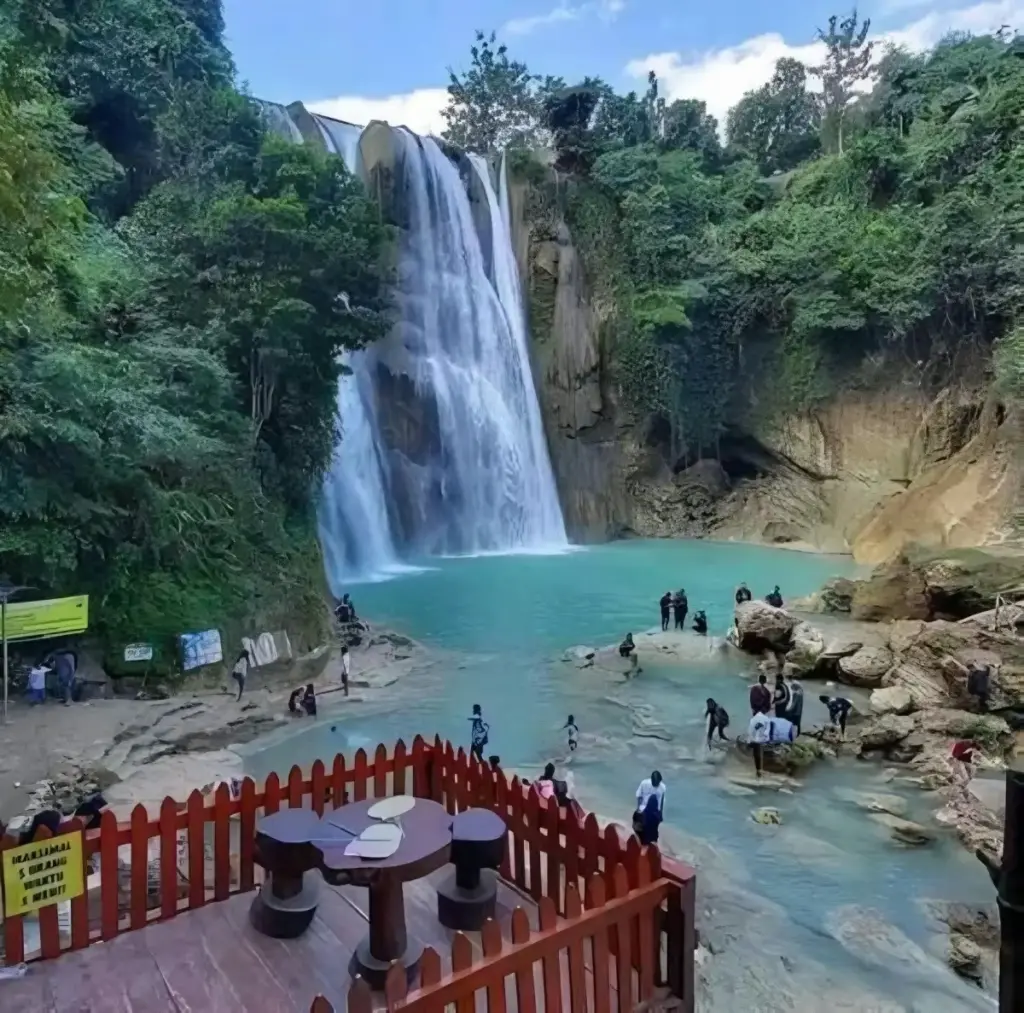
[
  {"x": 37, "y": 684},
  {"x": 650, "y": 808},
  {"x": 345, "y": 670},
  {"x": 765, "y": 730}
]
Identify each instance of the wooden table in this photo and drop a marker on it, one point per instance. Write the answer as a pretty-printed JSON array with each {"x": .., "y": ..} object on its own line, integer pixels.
[{"x": 424, "y": 848}]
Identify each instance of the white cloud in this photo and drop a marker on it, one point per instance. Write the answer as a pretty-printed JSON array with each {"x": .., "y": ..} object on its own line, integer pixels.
[
  {"x": 722, "y": 76},
  {"x": 606, "y": 10},
  {"x": 418, "y": 110}
]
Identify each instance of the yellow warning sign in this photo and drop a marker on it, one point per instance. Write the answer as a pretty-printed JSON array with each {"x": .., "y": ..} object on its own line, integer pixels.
[
  {"x": 54, "y": 617},
  {"x": 46, "y": 872}
]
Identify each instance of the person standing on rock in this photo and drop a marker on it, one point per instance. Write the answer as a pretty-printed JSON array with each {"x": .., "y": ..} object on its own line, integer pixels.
[
  {"x": 760, "y": 696},
  {"x": 838, "y": 711},
  {"x": 782, "y": 697},
  {"x": 345, "y": 670},
  {"x": 775, "y": 598},
  {"x": 795, "y": 711},
  {"x": 665, "y": 603},
  {"x": 680, "y": 606},
  {"x": 743, "y": 594}
]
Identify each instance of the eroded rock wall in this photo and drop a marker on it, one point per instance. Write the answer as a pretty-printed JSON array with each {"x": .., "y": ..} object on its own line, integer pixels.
[{"x": 870, "y": 472}]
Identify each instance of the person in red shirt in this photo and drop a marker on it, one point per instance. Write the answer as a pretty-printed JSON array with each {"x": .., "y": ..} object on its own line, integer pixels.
[
  {"x": 963, "y": 757},
  {"x": 760, "y": 696}
]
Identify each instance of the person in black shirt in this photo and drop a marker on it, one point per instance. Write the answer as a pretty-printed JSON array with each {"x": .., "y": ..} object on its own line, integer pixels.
[
  {"x": 781, "y": 697},
  {"x": 309, "y": 701},
  {"x": 717, "y": 718},
  {"x": 665, "y": 603},
  {"x": 700, "y": 623},
  {"x": 838, "y": 711},
  {"x": 680, "y": 606},
  {"x": 978, "y": 683},
  {"x": 742, "y": 594},
  {"x": 627, "y": 647},
  {"x": 775, "y": 598}
]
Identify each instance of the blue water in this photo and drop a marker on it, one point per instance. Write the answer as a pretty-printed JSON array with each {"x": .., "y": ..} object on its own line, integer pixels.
[{"x": 502, "y": 624}]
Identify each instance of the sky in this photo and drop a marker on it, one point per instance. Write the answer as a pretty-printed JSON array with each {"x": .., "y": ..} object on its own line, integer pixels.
[{"x": 389, "y": 60}]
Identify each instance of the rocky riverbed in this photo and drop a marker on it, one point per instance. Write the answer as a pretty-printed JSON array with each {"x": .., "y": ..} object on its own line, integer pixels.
[{"x": 142, "y": 750}]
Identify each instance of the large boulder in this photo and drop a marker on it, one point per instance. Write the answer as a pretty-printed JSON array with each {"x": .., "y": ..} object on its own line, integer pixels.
[
  {"x": 895, "y": 590},
  {"x": 761, "y": 627},
  {"x": 892, "y": 700},
  {"x": 886, "y": 731},
  {"x": 962, "y": 583},
  {"x": 932, "y": 659},
  {"x": 808, "y": 647},
  {"x": 866, "y": 667},
  {"x": 988, "y": 730}
]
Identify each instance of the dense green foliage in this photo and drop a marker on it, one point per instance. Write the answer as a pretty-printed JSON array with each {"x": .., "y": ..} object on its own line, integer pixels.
[
  {"x": 873, "y": 225},
  {"x": 171, "y": 312}
]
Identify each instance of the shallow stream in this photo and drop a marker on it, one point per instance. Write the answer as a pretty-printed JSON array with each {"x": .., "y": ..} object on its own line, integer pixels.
[{"x": 776, "y": 896}]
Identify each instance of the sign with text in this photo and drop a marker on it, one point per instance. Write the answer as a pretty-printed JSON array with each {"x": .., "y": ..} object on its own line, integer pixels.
[
  {"x": 138, "y": 652},
  {"x": 54, "y": 617},
  {"x": 46, "y": 872}
]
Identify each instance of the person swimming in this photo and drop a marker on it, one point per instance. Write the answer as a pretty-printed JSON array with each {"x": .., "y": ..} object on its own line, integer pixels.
[
  {"x": 680, "y": 606},
  {"x": 775, "y": 598},
  {"x": 700, "y": 623},
  {"x": 718, "y": 719},
  {"x": 743, "y": 594}
]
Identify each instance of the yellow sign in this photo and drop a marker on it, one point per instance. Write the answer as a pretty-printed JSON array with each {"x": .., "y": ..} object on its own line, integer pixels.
[
  {"x": 54, "y": 617},
  {"x": 44, "y": 873}
]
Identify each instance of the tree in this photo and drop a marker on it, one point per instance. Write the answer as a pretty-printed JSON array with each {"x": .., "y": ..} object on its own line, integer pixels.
[
  {"x": 847, "y": 64},
  {"x": 778, "y": 124},
  {"x": 567, "y": 116},
  {"x": 494, "y": 104},
  {"x": 688, "y": 125}
]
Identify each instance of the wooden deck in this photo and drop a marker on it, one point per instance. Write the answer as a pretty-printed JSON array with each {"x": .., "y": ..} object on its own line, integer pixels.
[{"x": 212, "y": 961}]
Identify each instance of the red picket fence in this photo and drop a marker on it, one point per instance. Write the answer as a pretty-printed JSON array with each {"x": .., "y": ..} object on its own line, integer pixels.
[
  {"x": 553, "y": 855},
  {"x": 192, "y": 870},
  {"x": 598, "y": 959}
]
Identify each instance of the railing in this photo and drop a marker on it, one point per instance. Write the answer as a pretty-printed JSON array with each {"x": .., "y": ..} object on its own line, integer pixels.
[
  {"x": 576, "y": 963},
  {"x": 553, "y": 856},
  {"x": 188, "y": 878}
]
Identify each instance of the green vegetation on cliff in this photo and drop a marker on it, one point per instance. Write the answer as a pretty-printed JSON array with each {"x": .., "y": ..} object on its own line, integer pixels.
[
  {"x": 169, "y": 320},
  {"x": 869, "y": 228}
]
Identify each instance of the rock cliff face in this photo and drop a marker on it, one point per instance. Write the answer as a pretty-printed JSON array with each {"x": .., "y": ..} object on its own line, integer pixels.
[{"x": 869, "y": 473}]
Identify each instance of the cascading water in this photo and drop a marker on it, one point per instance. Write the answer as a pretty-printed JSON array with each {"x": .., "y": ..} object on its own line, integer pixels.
[
  {"x": 355, "y": 532},
  {"x": 484, "y": 484},
  {"x": 342, "y": 139},
  {"x": 471, "y": 472}
]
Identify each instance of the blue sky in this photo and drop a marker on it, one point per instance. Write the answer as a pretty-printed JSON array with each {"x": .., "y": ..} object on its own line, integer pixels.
[{"x": 388, "y": 59}]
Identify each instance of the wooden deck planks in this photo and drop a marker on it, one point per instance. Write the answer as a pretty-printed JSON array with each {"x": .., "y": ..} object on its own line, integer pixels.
[{"x": 211, "y": 960}]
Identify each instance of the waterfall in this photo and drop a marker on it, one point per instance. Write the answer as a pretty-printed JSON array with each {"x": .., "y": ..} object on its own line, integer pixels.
[
  {"x": 442, "y": 448},
  {"x": 506, "y": 281},
  {"x": 342, "y": 139},
  {"x": 355, "y": 531},
  {"x": 485, "y": 484}
]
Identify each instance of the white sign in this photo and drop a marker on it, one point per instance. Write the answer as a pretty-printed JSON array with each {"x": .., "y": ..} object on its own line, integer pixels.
[
  {"x": 199, "y": 649},
  {"x": 138, "y": 652}
]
